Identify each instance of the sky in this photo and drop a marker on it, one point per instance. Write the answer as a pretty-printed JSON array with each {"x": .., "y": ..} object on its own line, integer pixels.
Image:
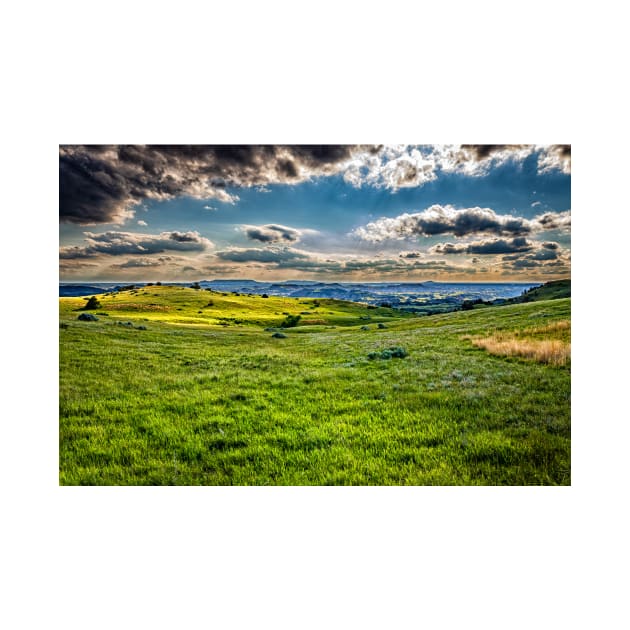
[{"x": 344, "y": 213}]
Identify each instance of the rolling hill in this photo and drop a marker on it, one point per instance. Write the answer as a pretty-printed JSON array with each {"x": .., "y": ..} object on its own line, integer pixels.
[{"x": 172, "y": 385}]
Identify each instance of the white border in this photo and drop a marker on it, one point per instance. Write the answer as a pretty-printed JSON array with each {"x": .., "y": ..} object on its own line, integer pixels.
[{"x": 315, "y": 557}]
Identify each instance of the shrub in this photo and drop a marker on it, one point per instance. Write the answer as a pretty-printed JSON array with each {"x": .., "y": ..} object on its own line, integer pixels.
[
  {"x": 395, "y": 352},
  {"x": 381, "y": 325},
  {"x": 210, "y": 303},
  {"x": 87, "y": 317},
  {"x": 279, "y": 335},
  {"x": 290, "y": 321},
  {"x": 468, "y": 305},
  {"x": 365, "y": 328},
  {"x": 92, "y": 304},
  {"x": 264, "y": 295},
  {"x": 195, "y": 285}
]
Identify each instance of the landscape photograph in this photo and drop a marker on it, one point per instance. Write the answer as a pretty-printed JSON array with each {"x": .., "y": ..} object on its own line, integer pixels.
[{"x": 315, "y": 315}]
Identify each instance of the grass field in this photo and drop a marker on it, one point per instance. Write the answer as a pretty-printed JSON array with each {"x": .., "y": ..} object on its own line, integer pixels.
[{"x": 180, "y": 386}]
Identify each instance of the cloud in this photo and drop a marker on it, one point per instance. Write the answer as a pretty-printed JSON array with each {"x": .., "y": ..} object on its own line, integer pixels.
[
  {"x": 544, "y": 254},
  {"x": 272, "y": 233},
  {"x": 391, "y": 167},
  {"x": 491, "y": 246},
  {"x": 276, "y": 255},
  {"x": 120, "y": 243},
  {"x": 555, "y": 157},
  {"x": 142, "y": 223},
  {"x": 404, "y": 166},
  {"x": 550, "y": 245},
  {"x": 480, "y": 152},
  {"x": 103, "y": 184},
  {"x": 553, "y": 221},
  {"x": 438, "y": 220},
  {"x": 206, "y": 207},
  {"x": 143, "y": 263},
  {"x": 71, "y": 266},
  {"x": 287, "y": 258},
  {"x": 443, "y": 220},
  {"x": 477, "y": 159}
]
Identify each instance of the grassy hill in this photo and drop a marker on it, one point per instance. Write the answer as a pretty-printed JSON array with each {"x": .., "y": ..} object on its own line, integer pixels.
[
  {"x": 549, "y": 291},
  {"x": 180, "y": 386}
]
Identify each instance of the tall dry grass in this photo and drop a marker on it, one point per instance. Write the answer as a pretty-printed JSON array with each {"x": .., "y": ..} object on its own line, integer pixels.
[
  {"x": 552, "y": 352},
  {"x": 563, "y": 324}
]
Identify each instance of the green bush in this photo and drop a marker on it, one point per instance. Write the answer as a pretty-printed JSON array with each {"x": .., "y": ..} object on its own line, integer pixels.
[
  {"x": 290, "y": 321},
  {"x": 396, "y": 352}
]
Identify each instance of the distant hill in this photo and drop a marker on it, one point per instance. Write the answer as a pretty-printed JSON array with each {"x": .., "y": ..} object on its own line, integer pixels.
[
  {"x": 553, "y": 290},
  {"x": 74, "y": 290}
]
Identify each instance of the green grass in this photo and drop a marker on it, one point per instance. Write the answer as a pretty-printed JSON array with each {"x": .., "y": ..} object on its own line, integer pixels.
[{"x": 213, "y": 398}]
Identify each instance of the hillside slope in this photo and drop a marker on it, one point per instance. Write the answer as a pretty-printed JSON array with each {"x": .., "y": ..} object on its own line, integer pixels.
[
  {"x": 553, "y": 290},
  {"x": 164, "y": 389}
]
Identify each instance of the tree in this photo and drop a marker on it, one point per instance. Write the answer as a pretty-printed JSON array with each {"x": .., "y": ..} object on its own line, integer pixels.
[{"x": 92, "y": 303}]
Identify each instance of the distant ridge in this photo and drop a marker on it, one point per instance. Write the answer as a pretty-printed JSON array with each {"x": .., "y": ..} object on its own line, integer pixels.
[{"x": 76, "y": 290}]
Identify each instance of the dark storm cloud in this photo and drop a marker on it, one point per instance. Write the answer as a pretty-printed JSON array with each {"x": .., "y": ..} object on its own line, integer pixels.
[
  {"x": 102, "y": 184},
  {"x": 272, "y": 233},
  {"x": 120, "y": 243}
]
